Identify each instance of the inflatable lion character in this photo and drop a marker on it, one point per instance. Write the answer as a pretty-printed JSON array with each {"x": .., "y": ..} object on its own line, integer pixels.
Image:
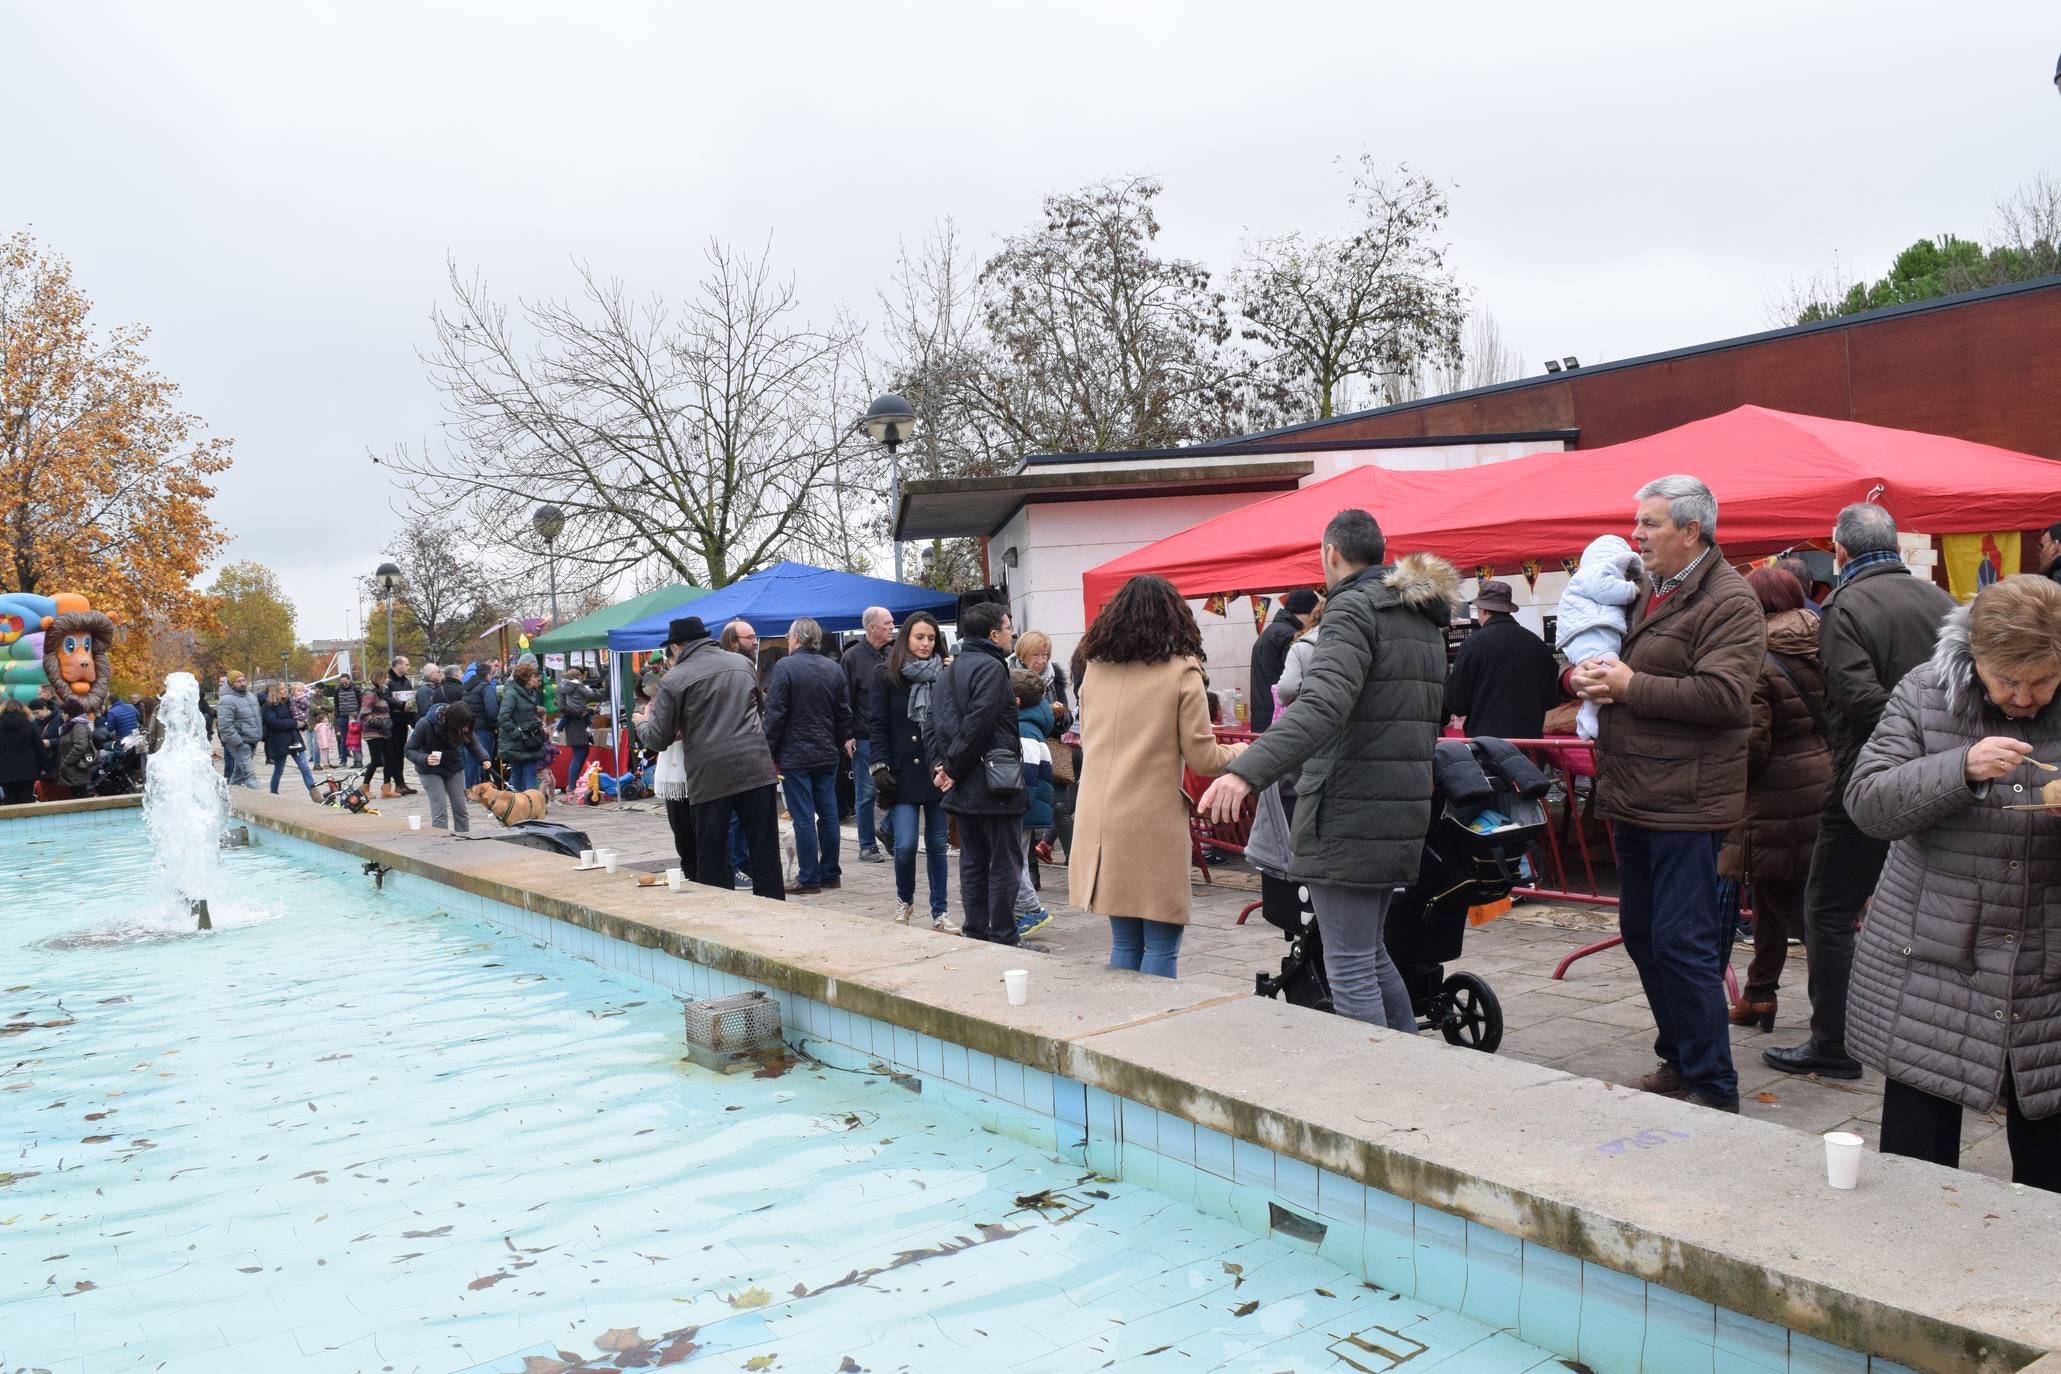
[
  {"x": 510, "y": 808},
  {"x": 58, "y": 639}
]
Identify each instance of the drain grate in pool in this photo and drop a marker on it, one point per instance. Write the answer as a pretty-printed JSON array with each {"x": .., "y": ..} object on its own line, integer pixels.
[{"x": 733, "y": 1034}]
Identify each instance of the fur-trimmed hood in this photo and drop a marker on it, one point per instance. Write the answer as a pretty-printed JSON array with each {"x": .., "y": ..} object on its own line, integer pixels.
[
  {"x": 1425, "y": 583},
  {"x": 1953, "y": 666}
]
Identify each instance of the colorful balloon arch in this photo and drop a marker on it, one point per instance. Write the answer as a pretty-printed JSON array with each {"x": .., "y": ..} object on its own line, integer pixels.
[{"x": 58, "y": 639}]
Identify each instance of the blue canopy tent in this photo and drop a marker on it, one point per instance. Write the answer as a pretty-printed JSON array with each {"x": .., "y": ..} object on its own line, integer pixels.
[{"x": 778, "y": 596}]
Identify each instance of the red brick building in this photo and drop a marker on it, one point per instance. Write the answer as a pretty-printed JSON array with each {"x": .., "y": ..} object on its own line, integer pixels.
[{"x": 1985, "y": 366}]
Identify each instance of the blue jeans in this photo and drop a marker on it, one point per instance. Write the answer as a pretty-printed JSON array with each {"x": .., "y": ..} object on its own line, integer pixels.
[
  {"x": 740, "y": 846},
  {"x": 1365, "y": 983},
  {"x": 578, "y": 764},
  {"x": 862, "y": 793},
  {"x": 1152, "y": 947},
  {"x": 904, "y": 832},
  {"x": 279, "y": 768},
  {"x": 522, "y": 776},
  {"x": 812, "y": 805},
  {"x": 1672, "y": 927},
  {"x": 476, "y": 768}
]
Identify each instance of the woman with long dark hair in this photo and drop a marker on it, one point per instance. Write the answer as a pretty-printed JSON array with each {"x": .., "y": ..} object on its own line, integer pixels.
[
  {"x": 1144, "y": 713},
  {"x": 439, "y": 746},
  {"x": 899, "y": 706}
]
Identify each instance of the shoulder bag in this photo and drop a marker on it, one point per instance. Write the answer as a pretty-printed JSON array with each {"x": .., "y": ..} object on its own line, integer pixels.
[{"x": 1001, "y": 769}]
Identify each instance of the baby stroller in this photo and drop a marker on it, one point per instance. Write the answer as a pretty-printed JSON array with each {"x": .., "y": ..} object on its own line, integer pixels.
[{"x": 1486, "y": 812}]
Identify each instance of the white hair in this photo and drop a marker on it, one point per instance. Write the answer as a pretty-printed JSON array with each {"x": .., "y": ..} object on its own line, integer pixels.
[
  {"x": 806, "y": 634},
  {"x": 1687, "y": 499},
  {"x": 1864, "y": 528},
  {"x": 874, "y": 615}
]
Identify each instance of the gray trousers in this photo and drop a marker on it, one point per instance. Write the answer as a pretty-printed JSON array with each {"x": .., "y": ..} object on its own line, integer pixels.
[
  {"x": 1365, "y": 984},
  {"x": 446, "y": 793}
]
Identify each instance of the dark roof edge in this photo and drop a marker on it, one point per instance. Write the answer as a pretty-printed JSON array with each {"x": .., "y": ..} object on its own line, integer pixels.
[
  {"x": 1866, "y": 317},
  {"x": 1246, "y": 444}
]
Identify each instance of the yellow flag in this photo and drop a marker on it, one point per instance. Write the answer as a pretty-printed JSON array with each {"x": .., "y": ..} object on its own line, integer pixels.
[{"x": 1973, "y": 561}]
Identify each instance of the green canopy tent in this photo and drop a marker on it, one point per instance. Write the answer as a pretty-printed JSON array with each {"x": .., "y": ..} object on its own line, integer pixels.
[
  {"x": 590, "y": 634},
  {"x": 591, "y": 631}
]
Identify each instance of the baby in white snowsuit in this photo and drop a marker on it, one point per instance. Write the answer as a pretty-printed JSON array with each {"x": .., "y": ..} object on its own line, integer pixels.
[{"x": 1595, "y": 609}]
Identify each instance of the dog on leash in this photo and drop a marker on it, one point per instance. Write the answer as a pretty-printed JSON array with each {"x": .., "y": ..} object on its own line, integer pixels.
[{"x": 509, "y": 808}]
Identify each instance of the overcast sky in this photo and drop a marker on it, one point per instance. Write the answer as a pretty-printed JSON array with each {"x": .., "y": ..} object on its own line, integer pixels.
[{"x": 274, "y": 188}]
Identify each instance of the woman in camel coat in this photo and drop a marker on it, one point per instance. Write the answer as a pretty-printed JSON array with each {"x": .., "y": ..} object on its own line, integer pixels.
[{"x": 1144, "y": 713}]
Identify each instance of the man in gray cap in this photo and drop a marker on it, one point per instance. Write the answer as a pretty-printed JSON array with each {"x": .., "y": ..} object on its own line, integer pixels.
[
  {"x": 709, "y": 700},
  {"x": 1504, "y": 680}
]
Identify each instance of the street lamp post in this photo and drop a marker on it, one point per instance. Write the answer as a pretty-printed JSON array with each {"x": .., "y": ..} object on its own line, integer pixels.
[
  {"x": 890, "y": 421},
  {"x": 388, "y": 577},
  {"x": 549, "y": 522}
]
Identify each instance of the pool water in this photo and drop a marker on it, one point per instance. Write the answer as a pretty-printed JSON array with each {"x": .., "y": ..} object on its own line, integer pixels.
[{"x": 348, "y": 1131}]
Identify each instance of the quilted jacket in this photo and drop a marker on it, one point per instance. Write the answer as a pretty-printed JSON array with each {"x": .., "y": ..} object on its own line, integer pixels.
[
  {"x": 1958, "y": 967},
  {"x": 1361, "y": 729},
  {"x": 1787, "y": 761}
]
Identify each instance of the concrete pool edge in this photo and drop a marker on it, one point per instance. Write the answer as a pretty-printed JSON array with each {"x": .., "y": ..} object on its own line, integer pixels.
[{"x": 1731, "y": 1212}]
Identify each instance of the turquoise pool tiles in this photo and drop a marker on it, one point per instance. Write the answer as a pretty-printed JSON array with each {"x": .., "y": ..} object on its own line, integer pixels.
[{"x": 1513, "y": 1296}]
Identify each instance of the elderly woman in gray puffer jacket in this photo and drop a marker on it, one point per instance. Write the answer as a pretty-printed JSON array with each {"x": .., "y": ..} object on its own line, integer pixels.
[{"x": 1956, "y": 992}]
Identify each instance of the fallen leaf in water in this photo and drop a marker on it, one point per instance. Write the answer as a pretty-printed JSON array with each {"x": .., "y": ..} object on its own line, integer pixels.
[
  {"x": 1766, "y": 1097},
  {"x": 1245, "y": 1309},
  {"x": 250, "y": 1269},
  {"x": 544, "y": 1364},
  {"x": 96, "y": 1140},
  {"x": 760, "y": 1361},
  {"x": 83, "y": 1286},
  {"x": 488, "y": 1282},
  {"x": 1237, "y": 1273},
  {"x": 848, "y": 1365},
  {"x": 1324, "y": 1293},
  {"x": 801, "y": 1290},
  {"x": 618, "y": 1339},
  {"x": 102, "y": 1116},
  {"x": 751, "y": 1297},
  {"x": 426, "y": 1235}
]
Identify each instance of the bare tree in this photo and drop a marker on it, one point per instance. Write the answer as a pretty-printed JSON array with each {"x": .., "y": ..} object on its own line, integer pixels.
[
  {"x": 1820, "y": 296},
  {"x": 1095, "y": 342},
  {"x": 711, "y": 438},
  {"x": 2029, "y": 222},
  {"x": 1378, "y": 303},
  {"x": 447, "y": 594},
  {"x": 1484, "y": 358}
]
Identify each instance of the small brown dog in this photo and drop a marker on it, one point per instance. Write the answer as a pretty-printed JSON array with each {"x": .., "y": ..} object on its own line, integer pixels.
[{"x": 509, "y": 807}]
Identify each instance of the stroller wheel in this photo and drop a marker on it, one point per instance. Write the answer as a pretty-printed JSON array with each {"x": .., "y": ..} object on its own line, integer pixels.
[{"x": 1470, "y": 1013}]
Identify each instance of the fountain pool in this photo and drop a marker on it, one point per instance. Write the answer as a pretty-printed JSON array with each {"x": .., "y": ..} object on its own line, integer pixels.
[{"x": 349, "y": 1129}]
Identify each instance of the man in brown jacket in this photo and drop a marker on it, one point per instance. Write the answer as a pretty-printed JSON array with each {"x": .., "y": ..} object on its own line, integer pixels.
[{"x": 1671, "y": 775}]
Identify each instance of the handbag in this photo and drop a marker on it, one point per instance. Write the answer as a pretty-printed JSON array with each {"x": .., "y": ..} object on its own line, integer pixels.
[
  {"x": 1062, "y": 763},
  {"x": 1000, "y": 769}
]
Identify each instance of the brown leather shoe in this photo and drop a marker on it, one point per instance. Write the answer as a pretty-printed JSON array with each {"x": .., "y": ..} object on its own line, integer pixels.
[
  {"x": 832, "y": 884},
  {"x": 812, "y": 890},
  {"x": 1665, "y": 1080},
  {"x": 1749, "y": 1013}
]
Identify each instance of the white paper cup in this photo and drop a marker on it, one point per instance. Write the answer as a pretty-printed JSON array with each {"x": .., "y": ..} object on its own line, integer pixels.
[
  {"x": 1017, "y": 981},
  {"x": 415, "y": 822},
  {"x": 676, "y": 878},
  {"x": 608, "y": 860},
  {"x": 435, "y": 756},
  {"x": 1842, "y": 1158},
  {"x": 586, "y": 858}
]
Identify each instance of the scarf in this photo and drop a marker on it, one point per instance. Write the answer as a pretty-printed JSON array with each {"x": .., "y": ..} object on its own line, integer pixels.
[
  {"x": 921, "y": 675},
  {"x": 670, "y": 781}
]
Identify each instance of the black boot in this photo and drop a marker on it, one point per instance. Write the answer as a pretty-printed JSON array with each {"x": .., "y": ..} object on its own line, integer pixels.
[{"x": 1809, "y": 1058}]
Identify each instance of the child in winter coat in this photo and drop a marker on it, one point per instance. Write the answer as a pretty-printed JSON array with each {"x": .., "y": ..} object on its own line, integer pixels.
[
  {"x": 1595, "y": 610},
  {"x": 1035, "y": 725}
]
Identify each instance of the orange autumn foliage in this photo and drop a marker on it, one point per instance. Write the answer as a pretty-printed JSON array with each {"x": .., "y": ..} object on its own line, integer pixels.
[{"x": 104, "y": 481}]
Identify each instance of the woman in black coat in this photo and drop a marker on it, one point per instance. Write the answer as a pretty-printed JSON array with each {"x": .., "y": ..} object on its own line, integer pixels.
[
  {"x": 21, "y": 754},
  {"x": 900, "y": 702},
  {"x": 283, "y": 737}
]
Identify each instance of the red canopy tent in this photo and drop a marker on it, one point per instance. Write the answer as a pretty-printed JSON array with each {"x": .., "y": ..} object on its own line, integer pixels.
[{"x": 1779, "y": 480}]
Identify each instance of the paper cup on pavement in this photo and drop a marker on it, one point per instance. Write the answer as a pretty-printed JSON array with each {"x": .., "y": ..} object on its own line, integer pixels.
[
  {"x": 676, "y": 878},
  {"x": 586, "y": 858},
  {"x": 1842, "y": 1158},
  {"x": 1017, "y": 981},
  {"x": 415, "y": 822},
  {"x": 608, "y": 860}
]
